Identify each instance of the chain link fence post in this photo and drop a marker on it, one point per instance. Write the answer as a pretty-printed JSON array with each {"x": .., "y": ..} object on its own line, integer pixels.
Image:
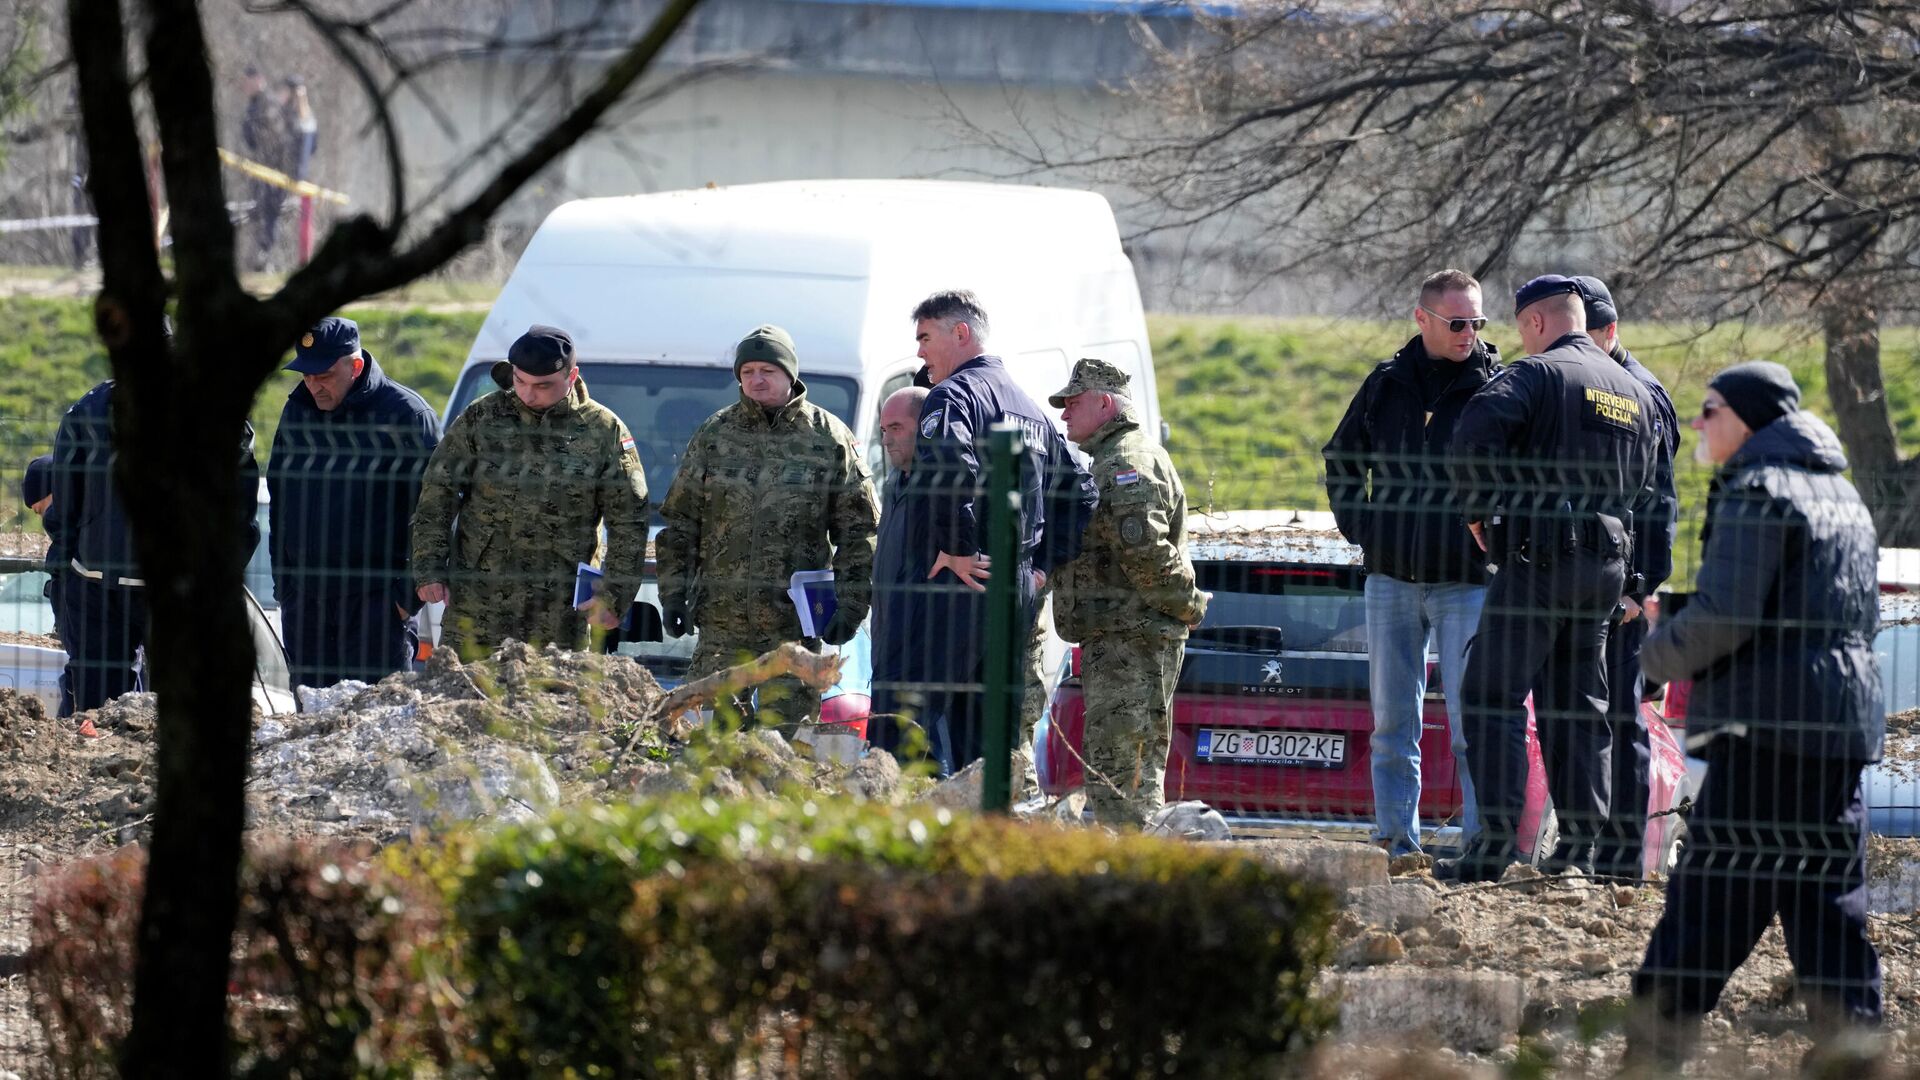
[{"x": 1006, "y": 447}]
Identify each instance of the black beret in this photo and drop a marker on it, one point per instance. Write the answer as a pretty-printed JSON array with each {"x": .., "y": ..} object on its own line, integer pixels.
[
  {"x": 1542, "y": 287},
  {"x": 542, "y": 350},
  {"x": 330, "y": 341},
  {"x": 1600, "y": 309},
  {"x": 1758, "y": 391}
]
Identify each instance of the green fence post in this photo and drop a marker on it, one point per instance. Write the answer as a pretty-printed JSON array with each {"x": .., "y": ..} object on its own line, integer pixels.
[{"x": 1006, "y": 448}]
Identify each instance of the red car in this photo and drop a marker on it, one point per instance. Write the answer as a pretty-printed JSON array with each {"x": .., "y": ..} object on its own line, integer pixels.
[{"x": 1271, "y": 718}]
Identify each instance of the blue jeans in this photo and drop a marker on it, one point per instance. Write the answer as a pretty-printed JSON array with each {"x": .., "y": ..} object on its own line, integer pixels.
[{"x": 1401, "y": 618}]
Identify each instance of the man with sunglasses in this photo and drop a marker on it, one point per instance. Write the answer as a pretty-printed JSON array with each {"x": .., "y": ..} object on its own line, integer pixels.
[
  {"x": 1387, "y": 482},
  {"x": 1618, "y": 853},
  {"x": 1553, "y": 461}
]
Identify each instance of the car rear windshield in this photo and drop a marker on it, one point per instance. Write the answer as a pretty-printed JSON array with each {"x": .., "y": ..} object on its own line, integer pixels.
[
  {"x": 662, "y": 404},
  {"x": 1299, "y": 607}
]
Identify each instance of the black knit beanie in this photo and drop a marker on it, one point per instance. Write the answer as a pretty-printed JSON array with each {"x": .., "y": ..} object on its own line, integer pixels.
[{"x": 1758, "y": 391}]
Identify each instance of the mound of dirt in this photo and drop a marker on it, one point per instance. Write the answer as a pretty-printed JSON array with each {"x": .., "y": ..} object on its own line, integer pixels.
[{"x": 503, "y": 739}]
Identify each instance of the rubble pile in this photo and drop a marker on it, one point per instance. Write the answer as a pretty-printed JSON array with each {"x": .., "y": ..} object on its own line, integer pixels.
[
  {"x": 503, "y": 739},
  {"x": 1544, "y": 961}
]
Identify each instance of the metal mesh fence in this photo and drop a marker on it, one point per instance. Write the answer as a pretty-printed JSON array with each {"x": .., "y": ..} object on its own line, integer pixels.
[{"x": 1346, "y": 671}]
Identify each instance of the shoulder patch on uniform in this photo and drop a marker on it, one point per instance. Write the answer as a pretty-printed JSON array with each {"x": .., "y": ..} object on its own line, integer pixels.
[
  {"x": 930, "y": 423},
  {"x": 1133, "y": 529},
  {"x": 626, "y": 442},
  {"x": 1126, "y": 476}
]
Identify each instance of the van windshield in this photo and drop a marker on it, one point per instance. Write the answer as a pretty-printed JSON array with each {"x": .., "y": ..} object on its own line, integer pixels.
[{"x": 662, "y": 404}]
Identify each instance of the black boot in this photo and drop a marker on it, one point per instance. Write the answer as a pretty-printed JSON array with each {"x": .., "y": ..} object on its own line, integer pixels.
[
  {"x": 1570, "y": 855},
  {"x": 1481, "y": 860},
  {"x": 1657, "y": 1045}
]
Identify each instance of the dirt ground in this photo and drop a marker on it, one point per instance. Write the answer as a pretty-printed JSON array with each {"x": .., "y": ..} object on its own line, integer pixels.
[{"x": 508, "y": 737}]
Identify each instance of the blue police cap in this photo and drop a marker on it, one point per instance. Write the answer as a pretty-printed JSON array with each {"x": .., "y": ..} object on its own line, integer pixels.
[
  {"x": 1542, "y": 287},
  {"x": 331, "y": 341},
  {"x": 542, "y": 350},
  {"x": 37, "y": 482},
  {"x": 1600, "y": 309}
]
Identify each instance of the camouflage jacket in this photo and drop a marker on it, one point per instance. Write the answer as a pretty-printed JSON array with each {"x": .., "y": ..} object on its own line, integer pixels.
[
  {"x": 756, "y": 498},
  {"x": 1133, "y": 574},
  {"x": 530, "y": 490}
]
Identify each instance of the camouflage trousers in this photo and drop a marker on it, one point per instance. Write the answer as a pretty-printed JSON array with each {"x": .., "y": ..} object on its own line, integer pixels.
[
  {"x": 785, "y": 702},
  {"x": 1127, "y": 682},
  {"x": 482, "y": 614},
  {"x": 1033, "y": 701}
]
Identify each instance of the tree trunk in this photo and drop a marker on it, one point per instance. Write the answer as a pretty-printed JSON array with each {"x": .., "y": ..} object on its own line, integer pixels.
[
  {"x": 1858, "y": 396},
  {"x": 200, "y": 653}
]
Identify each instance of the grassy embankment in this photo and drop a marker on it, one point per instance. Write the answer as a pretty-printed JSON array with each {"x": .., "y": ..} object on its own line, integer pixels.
[{"x": 1250, "y": 400}]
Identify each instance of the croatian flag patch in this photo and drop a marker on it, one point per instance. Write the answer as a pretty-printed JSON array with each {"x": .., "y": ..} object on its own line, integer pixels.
[
  {"x": 626, "y": 443},
  {"x": 1124, "y": 478}
]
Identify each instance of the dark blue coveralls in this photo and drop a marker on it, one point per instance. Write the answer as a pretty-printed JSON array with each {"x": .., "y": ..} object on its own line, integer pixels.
[
  {"x": 1554, "y": 456},
  {"x": 1618, "y": 853},
  {"x": 343, "y": 485},
  {"x": 100, "y": 611},
  {"x": 949, "y": 472}
]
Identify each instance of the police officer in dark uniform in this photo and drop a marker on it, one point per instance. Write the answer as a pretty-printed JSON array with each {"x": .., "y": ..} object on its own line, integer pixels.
[
  {"x": 343, "y": 479},
  {"x": 100, "y": 609},
  {"x": 973, "y": 391},
  {"x": 1618, "y": 853},
  {"x": 1551, "y": 461}
]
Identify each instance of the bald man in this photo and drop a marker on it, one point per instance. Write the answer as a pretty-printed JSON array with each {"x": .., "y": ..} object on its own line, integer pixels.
[
  {"x": 903, "y": 555},
  {"x": 1550, "y": 463}
]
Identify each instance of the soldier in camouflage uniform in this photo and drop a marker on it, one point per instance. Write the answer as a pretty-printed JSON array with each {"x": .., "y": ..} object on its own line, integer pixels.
[
  {"x": 770, "y": 484},
  {"x": 1128, "y": 599},
  {"x": 530, "y": 472}
]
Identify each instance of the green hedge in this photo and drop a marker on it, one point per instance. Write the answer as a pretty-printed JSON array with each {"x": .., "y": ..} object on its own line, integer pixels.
[{"x": 691, "y": 937}]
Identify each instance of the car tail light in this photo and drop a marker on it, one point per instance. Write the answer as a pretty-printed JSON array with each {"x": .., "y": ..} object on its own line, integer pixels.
[
  {"x": 850, "y": 710},
  {"x": 1674, "y": 707}
]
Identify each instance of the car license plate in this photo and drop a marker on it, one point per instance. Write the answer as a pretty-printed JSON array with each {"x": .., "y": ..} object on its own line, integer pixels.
[{"x": 1272, "y": 747}]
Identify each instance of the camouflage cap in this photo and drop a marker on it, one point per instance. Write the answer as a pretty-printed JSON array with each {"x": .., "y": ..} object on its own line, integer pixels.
[{"x": 1090, "y": 374}]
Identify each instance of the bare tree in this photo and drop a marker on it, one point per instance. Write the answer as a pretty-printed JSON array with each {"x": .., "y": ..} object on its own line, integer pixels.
[
  {"x": 180, "y": 397},
  {"x": 1729, "y": 159}
]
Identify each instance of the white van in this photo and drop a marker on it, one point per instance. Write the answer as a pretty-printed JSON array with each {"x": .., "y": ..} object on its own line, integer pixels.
[{"x": 657, "y": 289}]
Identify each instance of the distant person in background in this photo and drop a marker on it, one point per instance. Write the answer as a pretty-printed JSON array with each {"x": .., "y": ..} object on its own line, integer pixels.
[
  {"x": 1387, "y": 483},
  {"x": 269, "y": 141},
  {"x": 100, "y": 609},
  {"x": 303, "y": 130},
  {"x": 770, "y": 485},
  {"x": 343, "y": 478},
  {"x": 1787, "y": 709}
]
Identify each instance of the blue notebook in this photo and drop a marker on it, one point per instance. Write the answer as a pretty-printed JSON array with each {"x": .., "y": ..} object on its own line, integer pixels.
[
  {"x": 813, "y": 599},
  {"x": 585, "y": 579}
]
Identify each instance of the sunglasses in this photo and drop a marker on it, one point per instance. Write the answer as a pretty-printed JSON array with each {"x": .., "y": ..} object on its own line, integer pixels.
[
  {"x": 1708, "y": 408},
  {"x": 1454, "y": 326}
]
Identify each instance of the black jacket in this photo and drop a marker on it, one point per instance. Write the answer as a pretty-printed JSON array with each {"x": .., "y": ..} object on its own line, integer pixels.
[
  {"x": 1386, "y": 470},
  {"x": 343, "y": 486},
  {"x": 1778, "y": 634},
  {"x": 903, "y": 553},
  {"x": 1653, "y": 531},
  {"x": 1555, "y": 440},
  {"x": 86, "y": 526}
]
